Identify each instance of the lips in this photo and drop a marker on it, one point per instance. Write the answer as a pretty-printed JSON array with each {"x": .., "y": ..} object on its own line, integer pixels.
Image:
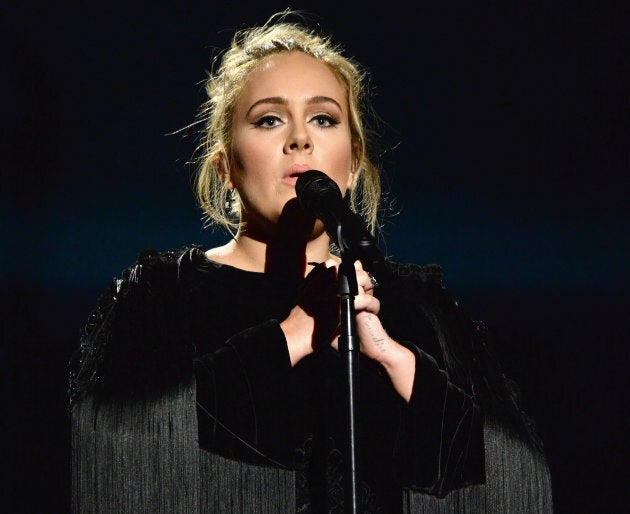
[
  {"x": 291, "y": 175},
  {"x": 297, "y": 169}
]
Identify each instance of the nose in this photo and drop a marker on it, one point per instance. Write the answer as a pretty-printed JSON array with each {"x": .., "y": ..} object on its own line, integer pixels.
[{"x": 298, "y": 139}]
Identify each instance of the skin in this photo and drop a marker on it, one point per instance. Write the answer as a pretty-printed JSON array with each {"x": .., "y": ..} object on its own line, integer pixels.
[{"x": 293, "y": 116}]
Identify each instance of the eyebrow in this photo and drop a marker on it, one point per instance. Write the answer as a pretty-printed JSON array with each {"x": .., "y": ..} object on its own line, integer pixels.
[{"x": 279, "y": 100}]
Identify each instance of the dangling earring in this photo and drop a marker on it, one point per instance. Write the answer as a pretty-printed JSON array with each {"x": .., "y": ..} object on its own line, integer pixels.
[{"x": 229, "y": 200}]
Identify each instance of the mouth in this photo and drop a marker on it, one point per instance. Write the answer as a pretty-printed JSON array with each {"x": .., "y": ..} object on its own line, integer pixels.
[
  {"x": 291, "y": 175},
  {"x": 296, "y": 170}
]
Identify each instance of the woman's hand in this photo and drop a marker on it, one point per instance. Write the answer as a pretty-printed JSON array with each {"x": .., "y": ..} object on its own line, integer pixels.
[
  {"x": 398, "y": 361},
  {"x": 314, "y": 321}
]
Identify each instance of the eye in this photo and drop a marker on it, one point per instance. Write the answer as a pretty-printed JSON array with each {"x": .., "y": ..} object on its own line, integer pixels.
[
  {"x": 325, "y": 120},
  {"x": 267, "y": 122}
]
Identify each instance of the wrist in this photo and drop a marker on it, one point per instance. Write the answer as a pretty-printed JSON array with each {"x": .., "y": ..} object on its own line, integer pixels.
[
  {"x": 397, "y": 357},
  {"x": 400, "y": 365}
]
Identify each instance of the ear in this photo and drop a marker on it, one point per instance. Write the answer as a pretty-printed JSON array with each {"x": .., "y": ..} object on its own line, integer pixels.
[
  {"x": 351, "y": 179},
  {"x": 223, "y": 169},
  {"x": 354, "y": 173},
  {"x": 356, "y": 164}
]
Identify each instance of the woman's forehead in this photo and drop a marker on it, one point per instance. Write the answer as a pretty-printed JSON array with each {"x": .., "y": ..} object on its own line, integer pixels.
[{"x": 294, "y": 76}]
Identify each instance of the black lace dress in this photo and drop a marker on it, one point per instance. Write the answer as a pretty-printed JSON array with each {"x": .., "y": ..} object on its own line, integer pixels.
[{"x": 183, "y": 399}]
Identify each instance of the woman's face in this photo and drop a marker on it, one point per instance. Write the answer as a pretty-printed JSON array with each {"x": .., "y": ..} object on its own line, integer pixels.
[{"x": 292, "y": 116}]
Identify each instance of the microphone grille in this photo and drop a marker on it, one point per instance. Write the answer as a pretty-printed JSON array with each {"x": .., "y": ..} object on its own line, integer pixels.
[{"x": 314, "y": 188}]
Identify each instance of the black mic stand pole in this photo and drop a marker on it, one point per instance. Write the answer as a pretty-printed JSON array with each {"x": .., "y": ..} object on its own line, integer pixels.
[{"x": 349, "y": 348}]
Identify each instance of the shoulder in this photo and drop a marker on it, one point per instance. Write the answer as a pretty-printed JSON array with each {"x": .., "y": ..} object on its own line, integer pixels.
[
  {"x": 424, "y": 284},
  {"x": 150, "y": 260},
  {"x": 133, "y": 340},
  {"x": 154, "y": 269},
  {"x": 421, "y": 285},
  {"x": 423, "y": 281},
  {"x": 148, "y": 285},
  {"x": 423, "y": 273}
]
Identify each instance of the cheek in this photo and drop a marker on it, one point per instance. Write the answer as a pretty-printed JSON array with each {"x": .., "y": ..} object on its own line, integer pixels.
[
  {"x": 248, "y": 159},
  {"x": 344, "y": 163},
  {"x": 343, "y": 150}
]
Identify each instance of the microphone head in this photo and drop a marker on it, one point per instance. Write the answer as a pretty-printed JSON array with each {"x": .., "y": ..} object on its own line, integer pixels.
[
  {"x": 320, "y": 196},
  {"x": 314, "y": 189}
]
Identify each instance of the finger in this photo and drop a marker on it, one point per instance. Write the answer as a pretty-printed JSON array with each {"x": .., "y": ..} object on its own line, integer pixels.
[
  {"x": 329, "y": 263},
  {"x": 328, "y": 267},
  {"x": 367, "y": 303},
  {"x": 365, "y": 280},
  {"x": 319, "y": 289}
]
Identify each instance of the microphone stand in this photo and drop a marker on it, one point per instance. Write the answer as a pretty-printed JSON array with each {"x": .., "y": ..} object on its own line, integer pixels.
[
  {"x": 357, "y": 244},
  {"x": 320, "y": 195},
  {"x": 349, "y": 348}
]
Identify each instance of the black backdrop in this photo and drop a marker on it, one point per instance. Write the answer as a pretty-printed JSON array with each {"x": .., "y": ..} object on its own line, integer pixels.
[{"x": 505, "y": 131}]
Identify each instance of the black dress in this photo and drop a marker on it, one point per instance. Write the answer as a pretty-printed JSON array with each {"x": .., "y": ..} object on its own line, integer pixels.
[{"x": 183, "y": 399}]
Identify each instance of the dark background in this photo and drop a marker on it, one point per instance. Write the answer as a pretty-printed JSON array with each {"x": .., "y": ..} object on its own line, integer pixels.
[{"x": 505, "y": 135}]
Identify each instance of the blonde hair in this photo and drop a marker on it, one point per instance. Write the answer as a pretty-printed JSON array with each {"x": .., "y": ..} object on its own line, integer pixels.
[{"x": 224, "y": 86}]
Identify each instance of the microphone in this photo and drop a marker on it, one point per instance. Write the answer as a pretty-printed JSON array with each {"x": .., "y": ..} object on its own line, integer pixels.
[{"x": 319, "y": 195}]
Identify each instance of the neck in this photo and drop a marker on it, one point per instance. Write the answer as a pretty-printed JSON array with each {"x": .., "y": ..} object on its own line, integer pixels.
[
  {"x": 287, "y": 256},
  {"x": 284, "y": 246}
]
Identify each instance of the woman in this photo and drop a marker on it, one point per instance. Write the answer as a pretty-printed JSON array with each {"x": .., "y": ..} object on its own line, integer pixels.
[{"x": 211, "y": 382}]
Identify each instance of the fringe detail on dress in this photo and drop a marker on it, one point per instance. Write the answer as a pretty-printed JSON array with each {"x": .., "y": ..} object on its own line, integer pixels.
[
  {"x": 136, "y": 455},
  {"x": 143, "y": 456},
  {"x": 470, "y": 500},
  {"x": 517, "y": 482},
  {"x": 241, "y": 488},
  {"x": 517, "y": 476}
]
